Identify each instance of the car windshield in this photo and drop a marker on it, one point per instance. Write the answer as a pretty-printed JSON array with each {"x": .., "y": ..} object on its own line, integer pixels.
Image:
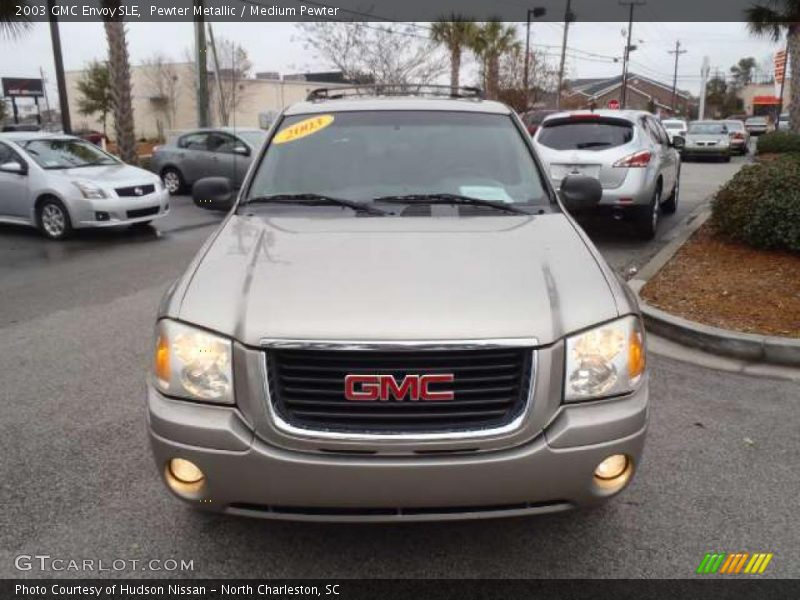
[
  {"x": 254, "y": 138},
  {"x": 363, "y": 155},
  {"x": 757, "y": 120},
  {"x": 708, "y": 128},
  {"x": 734, "y": 125},
  {"x": 673, "y": 124},
  {"x": 66, "y": 154},
  {"x": 585, "y": 133}
]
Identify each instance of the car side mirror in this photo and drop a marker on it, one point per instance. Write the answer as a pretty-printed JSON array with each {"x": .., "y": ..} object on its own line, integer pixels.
[
  {"x": 678, "y": 142},
  {"x": 213, "y": 193},
  {"x": 580, "y": 193},
  {"x": 242, "y": 150},
  {"x": 14, "y": 167}
]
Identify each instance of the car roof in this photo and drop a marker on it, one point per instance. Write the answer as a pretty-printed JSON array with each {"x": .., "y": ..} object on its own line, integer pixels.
[
  {"x": 27, "y": 136},
  {"x": 630, "y": 115},
  {"x": 376, "y": 103}
]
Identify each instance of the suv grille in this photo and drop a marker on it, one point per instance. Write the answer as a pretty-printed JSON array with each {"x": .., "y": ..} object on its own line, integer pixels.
[
  {"x": 490, "y": 388},
  {"x": 136, "y": 190}
]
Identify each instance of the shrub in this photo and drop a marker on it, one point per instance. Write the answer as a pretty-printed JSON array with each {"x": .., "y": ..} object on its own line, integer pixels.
[
  {"x": 760, "y": 205},
  {"x": 778, "y": 142}
]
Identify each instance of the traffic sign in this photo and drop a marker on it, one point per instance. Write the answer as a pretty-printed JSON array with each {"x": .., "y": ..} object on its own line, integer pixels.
[{"x": 613, "y": 104}]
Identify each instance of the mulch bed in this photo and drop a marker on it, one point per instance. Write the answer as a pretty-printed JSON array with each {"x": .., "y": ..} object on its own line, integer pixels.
[{"x": 731, "y": 286}]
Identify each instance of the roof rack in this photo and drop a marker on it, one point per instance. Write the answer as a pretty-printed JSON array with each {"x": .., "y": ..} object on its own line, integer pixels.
[{"x": 394, "y": 89}]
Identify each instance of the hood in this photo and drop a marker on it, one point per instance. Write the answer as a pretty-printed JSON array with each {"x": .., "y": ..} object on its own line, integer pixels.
[
  {"x": 397, "y": 279},
  {"x": 111, "y": 175}
]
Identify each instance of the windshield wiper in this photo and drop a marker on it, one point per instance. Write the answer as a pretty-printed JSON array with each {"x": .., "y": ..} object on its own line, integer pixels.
[
  {"x": 449, "y": 199},
  {"x": 314, "y": 200},
  {"x": 584, "y": 145}
]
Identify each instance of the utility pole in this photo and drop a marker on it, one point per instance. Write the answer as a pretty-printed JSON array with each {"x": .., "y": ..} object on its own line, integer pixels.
[
  {"x": 630, "y": 4},
  {"x": 677, "y": 52},
  {"x": 223, "y": 117},
  {"x": 58, "y": 59},
  {"x": 202, "y": 68},
  {"x": 704, "y": 70},
  {"x": 568, "y": 18},
  {"x": 535, "y": 13}
]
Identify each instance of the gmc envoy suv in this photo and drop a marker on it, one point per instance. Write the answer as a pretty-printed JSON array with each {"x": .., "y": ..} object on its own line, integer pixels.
[{"x": 397, "y": 320}]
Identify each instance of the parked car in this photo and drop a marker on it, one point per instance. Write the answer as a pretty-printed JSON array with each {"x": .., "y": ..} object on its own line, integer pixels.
[
  {"x": 533, "y": 119},
  {"x": 223, "y": 152},
  {"x": 628, "y": 151},
  {"x": 739, "y": 136},
  {"x": 59, "y": 183},
  {"x": 674, "y": 127},
  {"x": 757, "y": 125},
  {"x": 783, "y": 122},
  {"x": 707, "y": 139},
  {"x": 418, "y": 328}
]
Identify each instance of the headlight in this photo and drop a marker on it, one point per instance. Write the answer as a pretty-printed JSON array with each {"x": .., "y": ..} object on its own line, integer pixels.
[
  {"x": 192, "y": 363},
  {"x": 90, "y": 190},
  {"x": 605, "y": 361}
]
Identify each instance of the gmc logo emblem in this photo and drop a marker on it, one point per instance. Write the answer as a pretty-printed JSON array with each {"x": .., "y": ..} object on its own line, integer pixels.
[{"x": 369, "y": 388}]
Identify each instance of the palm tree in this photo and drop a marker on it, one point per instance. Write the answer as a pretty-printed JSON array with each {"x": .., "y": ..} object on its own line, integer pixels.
[
  {"x": 771, "y": 19},
  {"x": 120, "y": 74},
  {"x": 10, "y": 24},
  {"x": 455, "y": 34},
  {"x": 494, "y": 39}
]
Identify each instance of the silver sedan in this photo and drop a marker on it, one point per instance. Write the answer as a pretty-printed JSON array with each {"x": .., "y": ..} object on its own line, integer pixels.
[{"x": 59, "y": 183}]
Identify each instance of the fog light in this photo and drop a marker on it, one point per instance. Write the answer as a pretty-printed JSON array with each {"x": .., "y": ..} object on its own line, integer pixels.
[
  {"x": 101, "y": 216},
  {"x": 612, "y": 467},
  {"x": 185, "y": 471}
]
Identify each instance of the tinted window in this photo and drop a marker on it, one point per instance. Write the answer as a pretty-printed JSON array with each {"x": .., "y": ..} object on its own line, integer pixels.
[
  {"x": 6, "y": 154},
  {"x": 194, "y": 141},
  {"x": 734, "y": 125},
  {"x": 220, "y": 142},
  {"x": 585, "y": 133},
  {"x": 708, "y": 128},
  {"x": 66, "y": 154},
  {"x": 364, "y": 155}
]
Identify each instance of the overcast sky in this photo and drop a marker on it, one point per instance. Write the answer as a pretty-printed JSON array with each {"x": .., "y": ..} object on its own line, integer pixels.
[{"x": 278, "y": 47}]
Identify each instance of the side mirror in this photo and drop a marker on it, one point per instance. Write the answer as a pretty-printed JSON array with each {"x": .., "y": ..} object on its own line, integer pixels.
[
  {"x": 580, "y": 193},
  {"x": 213, "y": 193},
  {"x": 14, "y": 167},
  {"x": 678, "y": 142},
  {"x": 241, "y": 149}
]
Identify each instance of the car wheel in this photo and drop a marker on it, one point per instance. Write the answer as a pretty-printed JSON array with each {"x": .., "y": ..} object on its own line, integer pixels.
[
  {"x": 647, "y": 219},
  {"x": 53, "y": 219},
  {"x": 670, "y": 205},
  {"x": 726, "y": 158},
  {"x": 173, "y": 181}
]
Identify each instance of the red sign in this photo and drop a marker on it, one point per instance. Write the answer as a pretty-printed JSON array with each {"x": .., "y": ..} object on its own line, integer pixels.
[
  {"x": 385, "y": 387},
  {"x": 613, "y": 104}
]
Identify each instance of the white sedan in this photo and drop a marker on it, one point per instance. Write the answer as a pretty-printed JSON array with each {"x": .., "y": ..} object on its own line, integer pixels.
[{"x": 58, "y": 183}]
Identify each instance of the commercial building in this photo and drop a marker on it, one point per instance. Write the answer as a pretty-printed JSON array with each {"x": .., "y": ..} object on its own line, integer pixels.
[{"x": 643, "y": 93}]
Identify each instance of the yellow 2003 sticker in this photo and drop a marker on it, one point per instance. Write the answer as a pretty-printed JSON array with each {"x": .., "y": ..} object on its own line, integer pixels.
[{"x": 302, "y": 129}]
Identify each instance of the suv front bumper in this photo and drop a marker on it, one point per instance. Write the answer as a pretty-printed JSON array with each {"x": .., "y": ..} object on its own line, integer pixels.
[{"x": 246, "y": 476}]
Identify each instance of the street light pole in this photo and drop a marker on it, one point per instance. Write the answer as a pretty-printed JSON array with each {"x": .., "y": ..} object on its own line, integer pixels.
[
  {"x": 630, "y": 4},
  {"x": 568, "y": 17},
  {"x": 535, "y": 13}
]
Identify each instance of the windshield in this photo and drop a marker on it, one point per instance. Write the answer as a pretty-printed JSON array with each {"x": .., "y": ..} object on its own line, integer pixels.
[
  {"x": 734, "y": 125},
  {"x": 361, "y": 156},
  {"x": 756, "y": 120},
  {"x": 673, "y": 124},
  {"x": 585, "y": 133},
  {"x": 67, "y": 154},
  {"x": 254, "y": 138},
  {"x": 708, "y": 128}
]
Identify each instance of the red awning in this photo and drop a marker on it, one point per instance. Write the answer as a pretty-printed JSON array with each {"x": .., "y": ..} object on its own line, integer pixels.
[{"x": 766, "y": 100}]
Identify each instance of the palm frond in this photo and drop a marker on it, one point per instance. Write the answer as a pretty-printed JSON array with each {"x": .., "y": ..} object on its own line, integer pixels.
[{"x": 11, "y": 25}]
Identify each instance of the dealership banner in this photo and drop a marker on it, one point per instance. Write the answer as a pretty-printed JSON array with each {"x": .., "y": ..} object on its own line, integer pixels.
[
  {"x": 374, "y": 10},
  {"x": 405, "y": 589}
]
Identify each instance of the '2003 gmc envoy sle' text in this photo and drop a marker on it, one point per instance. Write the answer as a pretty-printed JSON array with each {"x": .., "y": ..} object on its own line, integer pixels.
[{"x": 397, "y": 319}]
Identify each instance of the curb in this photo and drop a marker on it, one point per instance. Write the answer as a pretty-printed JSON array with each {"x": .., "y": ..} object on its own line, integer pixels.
[{"x": 745, "y": 346}]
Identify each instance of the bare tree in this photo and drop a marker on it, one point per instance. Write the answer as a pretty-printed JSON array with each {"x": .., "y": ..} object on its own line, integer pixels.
[
  {"x": 162, "y": 81},
  {"x": 376, "y": 52},
  {"x": 542, "y": 78}
]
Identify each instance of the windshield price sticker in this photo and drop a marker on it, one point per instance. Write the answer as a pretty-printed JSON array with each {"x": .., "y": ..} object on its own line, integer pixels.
[{"x": 303, "y": 129}]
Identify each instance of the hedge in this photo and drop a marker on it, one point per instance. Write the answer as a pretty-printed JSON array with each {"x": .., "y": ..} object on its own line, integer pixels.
[
  {"x": 760, "y": 205},
  {"x": 778, "y": 142}
]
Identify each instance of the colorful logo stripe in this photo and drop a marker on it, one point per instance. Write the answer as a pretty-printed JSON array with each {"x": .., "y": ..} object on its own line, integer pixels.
[{"x": 734, "y": 563}]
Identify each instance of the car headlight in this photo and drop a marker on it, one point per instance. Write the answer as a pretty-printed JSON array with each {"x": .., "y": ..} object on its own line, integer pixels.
[
  {"x": 605, "y": 361},
  {"x": 192, "y": 363},
  {"x": 90, "y": 190}
]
